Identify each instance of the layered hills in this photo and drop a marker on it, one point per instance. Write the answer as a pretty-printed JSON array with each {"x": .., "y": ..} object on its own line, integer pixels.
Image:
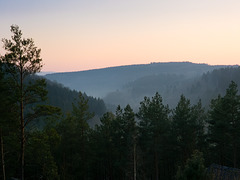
[
  {"x": 129, "y": 84},
  {"x": 99, "y": 82}
]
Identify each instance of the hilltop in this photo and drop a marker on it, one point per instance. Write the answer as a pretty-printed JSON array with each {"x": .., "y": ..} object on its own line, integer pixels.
[{"x": 99, "y": 82}]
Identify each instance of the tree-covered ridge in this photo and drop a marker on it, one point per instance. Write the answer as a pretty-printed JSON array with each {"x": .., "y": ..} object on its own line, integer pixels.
[
  {"x": 100, "y": 82},
  {"x": 63, "y": 97},
  {"x": 23, "y": 101},
  {"x": 155, "y": 142},
  {"x": 22, "y": 59},
  {"x": 213, "y": 83},
  {"x": 171, "y": 86}
]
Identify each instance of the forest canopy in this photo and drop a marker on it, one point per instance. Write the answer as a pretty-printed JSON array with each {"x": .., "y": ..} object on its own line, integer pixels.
[{"x": 157, "y": 141}]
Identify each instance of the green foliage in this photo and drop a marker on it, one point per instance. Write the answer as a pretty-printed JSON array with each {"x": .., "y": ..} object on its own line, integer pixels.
[
  {"x": 188, "y": 127},
  {"x": 63, "y": 97},
  {"x": 194, "y": 168},
  {"x": 7, "y": 117},
  {"x": 224, "y": 126},
  {"x": 126, "y": 134},
  {"x": 8, "y": 126},
  {"x": 114, "y": 141},
  {"x": 104, "y": 148},
  {"x": 166, "y": 77},
  {"x": 74, "y": 147},
  {"x": 40, "y": 162},
  {"x": 80, "y": 110},
  {"x": 20, "y": 62},
  {"x": 154, "y": 127},
  {"x": 22, "y": 56},
  {"x": 121, "y": 146}
]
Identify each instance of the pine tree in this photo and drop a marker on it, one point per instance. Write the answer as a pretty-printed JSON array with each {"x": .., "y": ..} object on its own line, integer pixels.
[
  {"x": 154, "y": 128},
  {"x": 183, "y": 127},
  {"x": 22, "y": 60},
  {"x": 74, "y": 147},
  {"x": 188, "y": 128},
  {"x": 103, "y": 145},
  {"x": 194, "y": 168},
  {"x": 127, "y": 131},
  {"x": 8, "y": 125},
  {"x": 224, "y": 126}
]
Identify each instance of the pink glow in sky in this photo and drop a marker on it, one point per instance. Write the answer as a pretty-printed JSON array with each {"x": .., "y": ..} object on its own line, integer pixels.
[{"x": 88, "y": 34}]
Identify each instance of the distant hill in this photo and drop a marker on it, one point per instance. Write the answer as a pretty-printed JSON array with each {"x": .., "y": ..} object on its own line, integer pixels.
[
  {"x": 63, "y": 97},
  {"x": 211, "y": 84},
  {"x": 43, "y": 73},
  {"x": 100, "y": 82},
  {"x": 170, "y": 86}
]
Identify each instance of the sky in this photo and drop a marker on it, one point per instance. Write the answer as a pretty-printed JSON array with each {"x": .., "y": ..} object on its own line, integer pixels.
[{"x": 79, "y": 35}]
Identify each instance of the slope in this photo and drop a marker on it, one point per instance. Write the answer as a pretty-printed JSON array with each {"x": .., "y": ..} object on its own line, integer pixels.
[
  {"x": 99, "y": 82},
  {"x": 171, "y": 86}
]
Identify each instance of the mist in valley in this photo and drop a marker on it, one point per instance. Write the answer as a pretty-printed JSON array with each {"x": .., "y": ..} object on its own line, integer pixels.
[{"x": 130, "y": 84}]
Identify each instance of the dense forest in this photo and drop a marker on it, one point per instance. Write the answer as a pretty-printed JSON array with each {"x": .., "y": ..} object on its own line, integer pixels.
[
  {"x": 63, "y": 97},
  {"x": 100, "y": 82},
  {"x": 157, "y": 141},
  {"x": 124, "y": 85},
  {"x": 171, "y": 86}
]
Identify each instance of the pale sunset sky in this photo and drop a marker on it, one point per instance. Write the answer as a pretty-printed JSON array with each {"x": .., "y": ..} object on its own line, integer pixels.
[{"x": 88, "y": 34}]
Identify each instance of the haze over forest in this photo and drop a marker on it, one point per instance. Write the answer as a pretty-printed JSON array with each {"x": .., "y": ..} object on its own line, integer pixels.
[
  {"x": 129, "y": 84},
  {"x": 175, "y": 120},
  {"x": 81, "y": 100}
]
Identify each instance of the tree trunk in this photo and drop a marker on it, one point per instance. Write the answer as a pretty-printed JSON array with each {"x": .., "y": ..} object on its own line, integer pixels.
[
  {"x": 22, "y": 151},
  {"x": 156, "y": 158},
  {"x": 156, "y": 165},
  {"x": 22, "y": 124},
  {"x": 234, "y": 155},
  {"x": 2, "y": 155},
  {"x": 134, "y": 162}
]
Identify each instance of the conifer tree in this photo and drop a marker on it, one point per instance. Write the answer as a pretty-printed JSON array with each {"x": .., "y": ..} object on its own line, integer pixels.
[
  {"x": 224, "y": 126},
  {"x": 183, "y": 126},
  {"x": 22, "y": 60},
  {"x": 74, "y": 147},
  {"x": 103, "y": 145},
  {"x": 194, "y": 168},
  {"x": 153, "y": 127},
  {"x": 127, "y": 133},
  {"x": 188, "y": 128}
]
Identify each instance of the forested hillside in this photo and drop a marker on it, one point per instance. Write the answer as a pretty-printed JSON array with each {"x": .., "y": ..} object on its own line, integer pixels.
[
  {"x": 128, "y": 84},
  {"x": 156, "y": 141},
  {"x": 171, "y": 86},
  {"x": 99, "y": 82},
  {"x": 63, "y": 97}
]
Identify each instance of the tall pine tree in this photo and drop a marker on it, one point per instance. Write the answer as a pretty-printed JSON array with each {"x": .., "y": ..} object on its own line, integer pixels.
[
  {"x": 153, "y": 129},
  {"x": 224, "y": 127},
  {"x": 22, "y": 60}
]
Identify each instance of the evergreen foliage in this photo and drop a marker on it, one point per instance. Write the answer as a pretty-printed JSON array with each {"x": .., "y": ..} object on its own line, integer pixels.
[
  {"x": 194, "y": 168},
  {"x": 157, "y": 142},
  {"x": 63, "y": 97},
  {"x": 224, "y": 126},
  {"x": 154, "y": 127},
  {"x": 22, "y": 59}
]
